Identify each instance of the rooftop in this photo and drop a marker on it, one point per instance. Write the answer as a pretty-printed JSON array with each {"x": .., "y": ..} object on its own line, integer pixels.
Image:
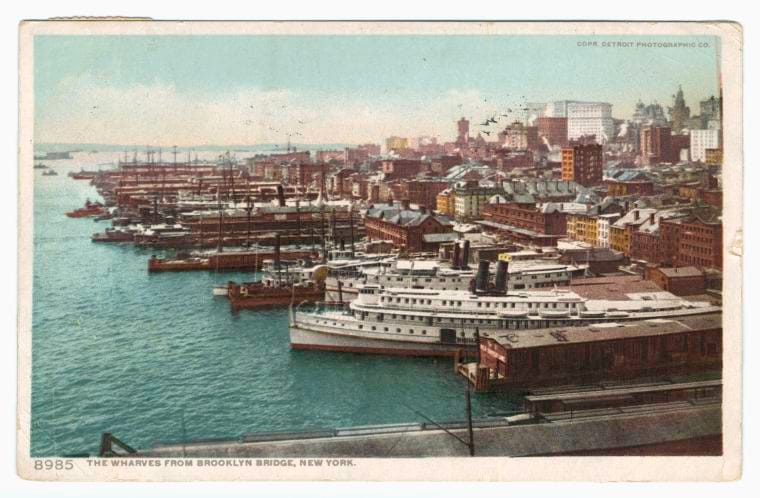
[{"x": 519, "y": 339}]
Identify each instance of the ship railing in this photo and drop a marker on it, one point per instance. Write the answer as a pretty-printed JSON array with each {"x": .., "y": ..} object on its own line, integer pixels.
[{"x": 324, "y": 307}]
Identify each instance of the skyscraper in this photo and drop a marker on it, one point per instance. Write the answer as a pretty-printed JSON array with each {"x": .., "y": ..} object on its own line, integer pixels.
[
  {"x": 463, "y": 131},
  {"x": 679, "y": 113}
]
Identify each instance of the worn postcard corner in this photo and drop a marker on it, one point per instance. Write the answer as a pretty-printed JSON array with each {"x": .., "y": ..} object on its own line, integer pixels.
[{"x": 379, "y": 251}]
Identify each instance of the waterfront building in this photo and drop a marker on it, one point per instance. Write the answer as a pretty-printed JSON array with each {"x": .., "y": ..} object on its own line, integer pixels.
[
  {"x": 405, "y": 227},
  {"x": 681, "y": 281},
  {"x": 583, "y": 354}
]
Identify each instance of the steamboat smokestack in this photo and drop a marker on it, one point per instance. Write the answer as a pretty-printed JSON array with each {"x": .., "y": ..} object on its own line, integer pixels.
[
  {"x": 281, "y": 195},
  {"x": 502, "y": 277},
  {"x": 481, "y": 279},
  {"x": 465, "y": 255},
  {"x": 456, "y": 256}
]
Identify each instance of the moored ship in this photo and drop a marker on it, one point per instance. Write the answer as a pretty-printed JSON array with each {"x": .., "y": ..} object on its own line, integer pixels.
[
  {"x": 279, "y": 287},
  {"x": 441, "y": 322},
  {"x": 90, "y": 209}
]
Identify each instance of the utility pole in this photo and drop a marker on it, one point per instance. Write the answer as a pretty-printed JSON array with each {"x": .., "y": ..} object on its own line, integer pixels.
[{"x": 471, "y": 440}]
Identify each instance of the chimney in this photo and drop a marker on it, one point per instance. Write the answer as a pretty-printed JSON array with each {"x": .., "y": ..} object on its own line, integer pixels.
[
  {"x": 651, "y": 218},
  {"x": 281, "y": 195},
  {"x": 635, "y": 215},
  {"x": 456, "y": 256},
  {"x": 599, "y": 209},
  {"x": 405, "y": 203},
  {"x": 465, "y": 263},
  {"x": 502, "y": 277},
  {"x": 481, "y": 278},
  {"x": 423, "y": 210}
]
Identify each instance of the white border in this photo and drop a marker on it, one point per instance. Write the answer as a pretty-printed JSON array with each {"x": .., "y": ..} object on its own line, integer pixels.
[{"x": 567, "y": 468}]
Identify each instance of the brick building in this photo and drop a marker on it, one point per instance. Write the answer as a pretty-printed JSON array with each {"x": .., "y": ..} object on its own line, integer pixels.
[
  {"x": 525, "y": 222},
  {"x": 424, "y": 192},
  {"x": 554, "y": 130},
  {"x": 683, "y": 281},
  {"x": 404, "y": 227},
  {"x": 401, "y": 168},
  {"x": 655, "y": 144},
  {"x": 700, "y": 241},
  {"x": 583, "y": 163}
]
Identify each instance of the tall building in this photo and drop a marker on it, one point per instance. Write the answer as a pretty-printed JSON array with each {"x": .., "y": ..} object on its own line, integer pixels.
[
  {"x": 709, "y": 110},
  {"x": 517, "y": 136},
  {"x": 701, "y": 140},
  {"x": 463, "y": 131},
  {"x": 554, "y": 130},
  {"x": 584, "y": 118},
  {"x": 655, "y": 145},
  {"x": 679, "y": 113},
  {"x": 583, "y": 164},
  {"x": 652, "y": 114}
]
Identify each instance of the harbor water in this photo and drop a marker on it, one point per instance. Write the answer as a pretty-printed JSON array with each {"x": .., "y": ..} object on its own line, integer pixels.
[{"x": 155, "y": 358}]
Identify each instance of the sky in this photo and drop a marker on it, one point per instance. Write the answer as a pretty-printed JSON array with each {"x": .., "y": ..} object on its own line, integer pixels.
[{"x": 245, "y": 90}]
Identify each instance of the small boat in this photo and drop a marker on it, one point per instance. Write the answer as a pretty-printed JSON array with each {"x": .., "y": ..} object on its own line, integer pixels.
[
  {"x": 40, "y": 166},
  {"x": 50, "y": 172}
]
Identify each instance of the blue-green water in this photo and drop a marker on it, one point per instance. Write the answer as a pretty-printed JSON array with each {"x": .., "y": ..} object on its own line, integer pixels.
[{"x": 118, "y": 350}]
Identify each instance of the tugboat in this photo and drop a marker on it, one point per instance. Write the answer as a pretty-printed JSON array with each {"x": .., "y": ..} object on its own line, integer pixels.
[
  {"x": 83, "y": 175},
  {"x": 90, "y": 209}
]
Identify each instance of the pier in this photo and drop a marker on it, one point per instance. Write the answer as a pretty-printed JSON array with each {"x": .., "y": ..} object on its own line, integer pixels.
[{"x": 675, "y": 428}]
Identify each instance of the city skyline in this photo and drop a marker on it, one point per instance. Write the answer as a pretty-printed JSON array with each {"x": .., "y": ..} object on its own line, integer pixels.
[{"x": 271, "y": 89}]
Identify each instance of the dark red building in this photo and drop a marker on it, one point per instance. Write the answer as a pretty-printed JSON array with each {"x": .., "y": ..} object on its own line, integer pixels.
[
  {"x": 553, "y": 129},
  {"x": 404, "y": 227},
  {"x": 583, "y": 164}
]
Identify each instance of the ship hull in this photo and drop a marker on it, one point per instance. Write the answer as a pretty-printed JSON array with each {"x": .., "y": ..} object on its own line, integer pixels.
[
  {"x": 273, "y": 299},
  {"x": 305, "y": 339}
]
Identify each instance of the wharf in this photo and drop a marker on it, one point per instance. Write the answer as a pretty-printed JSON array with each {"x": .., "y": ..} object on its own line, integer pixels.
[{"x": 677, "y": 428}]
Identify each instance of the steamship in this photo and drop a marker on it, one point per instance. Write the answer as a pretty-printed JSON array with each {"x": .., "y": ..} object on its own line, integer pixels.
[
  {"x": 425, "y": 322},
  {"x": 526, "y": 271}
]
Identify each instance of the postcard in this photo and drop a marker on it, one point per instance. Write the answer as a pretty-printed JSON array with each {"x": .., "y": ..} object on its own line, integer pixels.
[{"x": 380, "y": 251}]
